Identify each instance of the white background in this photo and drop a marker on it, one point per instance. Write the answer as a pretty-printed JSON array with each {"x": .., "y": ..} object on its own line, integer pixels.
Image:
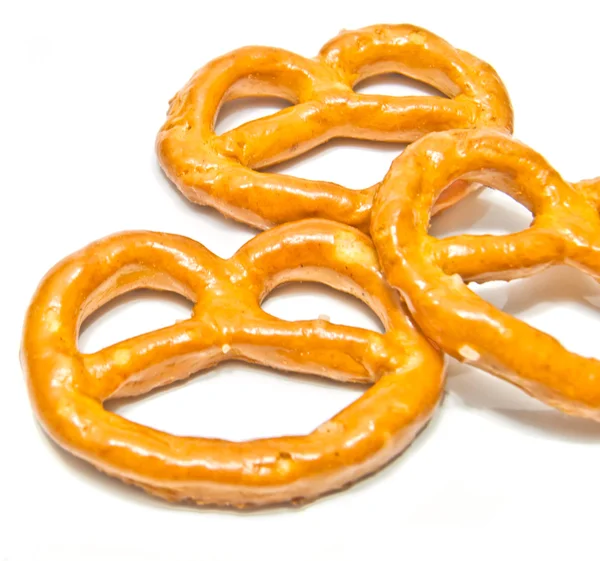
[{"x": 84, "y": 91}]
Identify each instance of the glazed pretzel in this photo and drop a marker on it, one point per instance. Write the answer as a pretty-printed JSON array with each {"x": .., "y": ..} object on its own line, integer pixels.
[
  {"x": 68, "y": 387},
  {"x": 428, "y": 271},
  {"x": 220, "y": 170}
]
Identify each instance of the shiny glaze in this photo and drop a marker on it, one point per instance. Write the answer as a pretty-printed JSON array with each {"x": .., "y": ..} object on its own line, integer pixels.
[
  {"x": 429, "y": 272},
  {"x": 67, "y": 387},
  {"x": 220, "y": 170}
]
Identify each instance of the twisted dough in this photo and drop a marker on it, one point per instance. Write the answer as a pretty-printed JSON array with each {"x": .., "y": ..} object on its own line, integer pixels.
[
  {"x": 429, "y": 272},
  {"x": 68, "y": 387},
  {"x": 220, "y": 170}
]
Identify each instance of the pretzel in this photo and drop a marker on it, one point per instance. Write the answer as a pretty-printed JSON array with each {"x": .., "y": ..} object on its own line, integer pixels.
[
  {"x": 68, "y": 387},
  {"x": 220, "y": 170},
  {"x": 430, "y": 272}
]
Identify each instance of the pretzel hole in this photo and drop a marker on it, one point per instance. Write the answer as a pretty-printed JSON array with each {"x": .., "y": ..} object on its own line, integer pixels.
[
  {"x": 238, "y": 401},
  {"x": 355, "y": 164},
  {"x": 396, "y": 85},
  {"x": 136, "y": 312},
  {"x": 478, "y": 392},
  {"x": 236, "y": 112},
  {"x": 295, "y": 301},
  {"x": 487, "y": 211},
  {"x": 553, "y": 301}
]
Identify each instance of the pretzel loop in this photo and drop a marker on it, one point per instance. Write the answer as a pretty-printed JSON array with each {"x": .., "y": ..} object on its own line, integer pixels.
[
  {"x": 68, "y": 387},
  {"x": 566, "y": 230},
  {"x": 220, "y": 171}
]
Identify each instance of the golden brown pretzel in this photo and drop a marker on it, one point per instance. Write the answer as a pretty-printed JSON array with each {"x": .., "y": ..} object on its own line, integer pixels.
[
  {"x": 430, "y": 272},
  {"x": 220, "y": 171},
  {"x": 68, "y": 387}
]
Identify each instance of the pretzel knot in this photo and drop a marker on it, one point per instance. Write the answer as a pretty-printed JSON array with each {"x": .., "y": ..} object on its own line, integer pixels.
[
  {"x": 220, "y": 170},
  {"x": 68, "y": 387},
  {"x": 428, "y": 271}
]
